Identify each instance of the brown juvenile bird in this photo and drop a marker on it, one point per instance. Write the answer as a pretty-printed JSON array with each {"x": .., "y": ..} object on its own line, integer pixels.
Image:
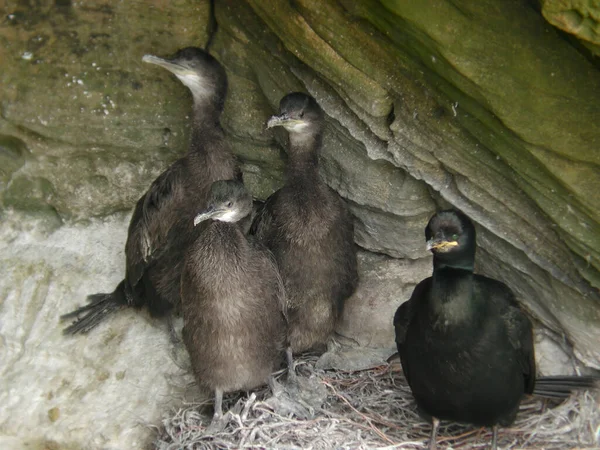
[
  {"x": 465, "y": 345},
  {"x": 232, "y": 297},
  {"x": 309, "y": 230},
  {"x": 161, "y": 226}
]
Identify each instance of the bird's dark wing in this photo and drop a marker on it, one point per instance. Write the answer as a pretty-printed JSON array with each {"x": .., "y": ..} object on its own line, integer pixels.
[
  {"x": 151, "y": 222},
  {"x": 405, "y": 314},
  {"x": 521, "y": 337},
  {"x": 263, "y": 223},
  {"x": 518, "y": 326}
]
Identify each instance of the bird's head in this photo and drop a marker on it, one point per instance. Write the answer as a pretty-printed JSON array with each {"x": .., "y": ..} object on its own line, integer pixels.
[
  {"x": 199, "y": 71},
  {"x": 298, "y": 113},
  {"x": 451, "y": 237},
  {"x": 228, "y": 201}
]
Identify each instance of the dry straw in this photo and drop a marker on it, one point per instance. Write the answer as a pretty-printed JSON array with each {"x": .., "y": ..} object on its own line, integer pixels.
[{"x": 371, "y": 409}]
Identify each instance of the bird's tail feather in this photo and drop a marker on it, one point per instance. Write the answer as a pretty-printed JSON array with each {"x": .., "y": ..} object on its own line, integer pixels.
[
  {"x": 99, "y": 307},
  {"x": 562, "y": 386}
]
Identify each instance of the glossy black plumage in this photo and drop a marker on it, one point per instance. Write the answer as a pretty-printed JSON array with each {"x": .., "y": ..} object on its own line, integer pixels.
[
  {"x": 233, "y": 300},
  {"x": 465, "y": 345},
  {"x": 161, "y": 224},
  {"x": 309, "y": 230}
]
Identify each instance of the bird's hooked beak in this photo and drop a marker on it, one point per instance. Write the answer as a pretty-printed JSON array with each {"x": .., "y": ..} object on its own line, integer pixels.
[
  {"x": 440, "y": 245},
  {"x": 175, "y": 68},
  {"x": 208, "y": 213},
  {"x": 283, "y": 120}
]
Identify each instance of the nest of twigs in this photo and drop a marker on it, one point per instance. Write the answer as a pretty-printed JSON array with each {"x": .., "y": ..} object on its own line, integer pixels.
[{"x": 366, "y": 410}]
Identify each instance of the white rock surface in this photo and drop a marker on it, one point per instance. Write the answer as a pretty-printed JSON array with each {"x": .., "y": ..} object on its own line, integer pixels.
[
  {"x": 94, "y": 391},
  {"x": 108, "y": 389},
  {"x": 384, "y": 284}
]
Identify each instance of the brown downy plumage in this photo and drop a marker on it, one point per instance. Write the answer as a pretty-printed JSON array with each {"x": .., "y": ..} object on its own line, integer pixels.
[
  {"x": 309, "y": 230},
  {"x": 161, "y": 225},
  {"x": 232, "y": 299}
]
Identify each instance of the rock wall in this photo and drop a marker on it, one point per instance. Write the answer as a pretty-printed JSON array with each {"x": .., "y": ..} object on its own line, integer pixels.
[
  {"x": 579, "y": 18},
  {"x": 484, "y": 106}
]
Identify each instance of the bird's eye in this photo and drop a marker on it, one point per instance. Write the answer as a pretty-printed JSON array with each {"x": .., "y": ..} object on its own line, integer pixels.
[
  {"x": 229, "y": 204},
  {"x": 455, "y": 237},
  {"x": 302, "y": 114}
]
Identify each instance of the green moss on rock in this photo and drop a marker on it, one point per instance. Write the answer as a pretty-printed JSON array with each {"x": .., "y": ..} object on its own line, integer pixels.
[
  {"x": 29, "y": 193},
  {"x": 581, "y": 18},
  {"x": 13, "y": 152}
]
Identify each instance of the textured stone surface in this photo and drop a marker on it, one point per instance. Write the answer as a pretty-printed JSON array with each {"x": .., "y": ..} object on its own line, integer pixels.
[
  {"x": 488, "y": 133},
  {"x": 95, "y": 391},
  {"x": 581, "y": 18},
  {"x": 98, "y": 123},
  {"x": 109, "y": 388},
  {"x": 479, "y": 105},
  {"x": 385, "y": 283},
  {"x": 411, "y": 114}
]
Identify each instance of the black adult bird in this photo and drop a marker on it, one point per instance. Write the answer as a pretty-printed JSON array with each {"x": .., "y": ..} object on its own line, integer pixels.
[
  {"x": 232, "y": 299},
  {"x": 161, "y": 225},
  {"x": 465, "y": 345},
  {"x": 309, "y": 230}
]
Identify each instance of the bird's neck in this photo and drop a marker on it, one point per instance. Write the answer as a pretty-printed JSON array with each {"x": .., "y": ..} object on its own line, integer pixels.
[
  {"x": 466, "y": 263},
  {"x": 451, "y": 295},
  {"x": 205, "y": 127},
  {"x": 305, "y": 166},
  {"x": 219, "y": 250},
  {"x": 303, "y": 159},
  {"x": 206, "y": 113},
  {"x": 222, "y": 240}
]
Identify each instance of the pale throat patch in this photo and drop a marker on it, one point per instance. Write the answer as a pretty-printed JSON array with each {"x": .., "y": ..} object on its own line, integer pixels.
[
  {"x": 296, "y": 126},
  {"x": 229, "y": 216},
  {"x": 195, "y": 84}
]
